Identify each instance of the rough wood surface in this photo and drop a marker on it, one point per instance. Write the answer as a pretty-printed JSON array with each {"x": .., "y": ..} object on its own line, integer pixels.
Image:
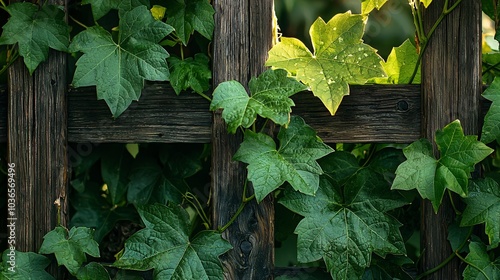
[
  {"x": 377, "y": 113},
  {"x": 37, "y": 144},
  {"x": 451, "y": 86},
  {"x": 159, "y": 116},
  {"x": 242, "y": 38}
]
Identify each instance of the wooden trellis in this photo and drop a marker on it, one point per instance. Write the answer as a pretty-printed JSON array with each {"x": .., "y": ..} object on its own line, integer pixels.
[{"x": 39, "y": 116}]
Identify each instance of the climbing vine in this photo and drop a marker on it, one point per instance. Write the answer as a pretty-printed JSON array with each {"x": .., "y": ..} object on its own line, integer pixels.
[{"x": 350, "y": 200}]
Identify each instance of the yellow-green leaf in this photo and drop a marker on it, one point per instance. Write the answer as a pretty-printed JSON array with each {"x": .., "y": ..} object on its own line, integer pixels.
[{"x": 340, "y": 58}]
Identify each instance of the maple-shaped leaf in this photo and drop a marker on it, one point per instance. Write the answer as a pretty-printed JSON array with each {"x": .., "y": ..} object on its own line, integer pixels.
[
  {"x": 483, "y": 206},
  {"x": 190, "y": 73},
  {"x": 294, "y": 161},
  {"x": 339, "y": 58},
  {"x": 491, "y": 126},
  {"x": 95, "y": 211},
  {"x": 431, "y": 177},
  {"x": 400, "y": 65},
  {"x": 480, "y": 265},
  {"x": 102, "y": 7},
  {"x": 347, "y": 221},
  {"x": 35, "y": 29},
  {"x": 368, "y": 5},
  {"x": 270, "y": 98},
  {"x": 92, "y": 271},
  {"x": 119, "y": 69},
  {"x": 26, "y": 266},
  {"x": 186, "y": 16},
  {"x": 164, "y": 245},
  {"x": 70, "y": 247}
]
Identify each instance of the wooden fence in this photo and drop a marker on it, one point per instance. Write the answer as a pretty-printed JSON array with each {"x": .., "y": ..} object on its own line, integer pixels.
[{"x": 39, "y": 116}]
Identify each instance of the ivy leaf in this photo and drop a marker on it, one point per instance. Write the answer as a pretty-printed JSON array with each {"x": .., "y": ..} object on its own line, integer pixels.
[
  {"x": 119, "y": 69},
  {"x": 148, "y": 183},
  {"x": 483, "y": 206},
  {"x": 164, "y": 245},
  {"x": 480, "y": 265},
  {"x": 27, "y": 266},
  {"x": 190, "y": 73},
  {"x": 35, "y": 29},
  {"x": 270, "y": 98},
  {"x": 95, "y": 211},
  {"x": 491, "y": 126},
  {"x": 189, "y": 15},
  {"x": 400, "y": 65},
  {"x": 92, "y": 271},
  {"x": 294, "y": 161},
  {"x": 70, "y": 247},
  {"x": 102, "y": 7},
  {"x": 343, "y": 223},
  {"x": 368, "y": 5},
  {"x": 432, "y": 177},
  {"x": 115, "y": 169},
  {"x": 339, "y": 58}
]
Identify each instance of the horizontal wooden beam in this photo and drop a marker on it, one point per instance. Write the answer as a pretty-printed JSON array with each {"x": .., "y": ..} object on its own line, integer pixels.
[{"x": 371, "y": 113}]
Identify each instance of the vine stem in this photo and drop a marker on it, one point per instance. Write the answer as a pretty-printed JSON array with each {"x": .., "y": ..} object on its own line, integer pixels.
[
  {"x": 198, "y": 208},
  {"x": 205, "y": 96},
  {"x": 3, "y": 4},
  {"x": 447, "y": 260},
  {"x": 244, "y": 201},
  {"x": 76, "y": 21},
  {"x": 427, "y": 37},
  {"x": 473, "y": 265},
  {"x": 11, "y": 59},
  {"x": 490, "y": 67}
]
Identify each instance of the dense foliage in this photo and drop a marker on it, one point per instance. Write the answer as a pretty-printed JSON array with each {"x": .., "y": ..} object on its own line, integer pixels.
[{"x": 352, "y": 206}]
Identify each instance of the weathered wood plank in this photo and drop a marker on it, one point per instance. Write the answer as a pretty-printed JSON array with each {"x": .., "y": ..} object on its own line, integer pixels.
[
  {"x": 37, "y": 144},
  {"x": 371, "y": 113},
  {"x": 451, "y": 86},
  {"x": 242, "y": 37},
  {"x": 159, "y": 116}
]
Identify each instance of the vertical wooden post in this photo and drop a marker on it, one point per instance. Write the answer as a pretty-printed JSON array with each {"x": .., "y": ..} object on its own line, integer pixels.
[
  {"x": 37, "y": 142},
  {"x": 451, "y": 87},
  {"x": 242, "y": 38}
]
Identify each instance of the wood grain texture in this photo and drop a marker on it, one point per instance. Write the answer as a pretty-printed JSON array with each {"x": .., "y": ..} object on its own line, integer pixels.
[
  {"x": 371, "y": 113},
  {"x": 3, "y": 113},
  {"x": 37, "y": 144},
  {"x": 242, "y": 37},
  {"x": 451, "y": 87},
  {"x": 159, "y": 116}
]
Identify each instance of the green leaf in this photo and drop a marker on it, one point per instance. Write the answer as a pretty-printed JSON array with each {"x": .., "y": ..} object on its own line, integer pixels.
[
  {"x": 483, "y": 206},
  {"x": 102, "y": 7},
  {"x": 186, "y": 16},
  {"x": 119, "y": 69},
  {"x": 346, "y": 221},
  {"x": 95, "y": 211},
  {"x": 115, "y": 169},
  {"x": 480, "y": 265},
  {"x": 368, "y": 5},
  {"x": 70, "y": 247},
  {"x": 400, "y": 65},
  {"x": 158, "y": 12},
  {"x": 164, "y": 245},
  {"x": 35, "y": 29},
  {"x": 190, "y": 73},
  {"x": 294, "y": 161},
  {"x": 92, "y": 271},
  {"x": 491, "y": 126},
  {"x": 339, "y": 58},
  {"x": 148, "y": 183},
  {"x": 432, "y": 177},
  {"x": 25, "y": 266},
  {"x": 270, "y": 98}
]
